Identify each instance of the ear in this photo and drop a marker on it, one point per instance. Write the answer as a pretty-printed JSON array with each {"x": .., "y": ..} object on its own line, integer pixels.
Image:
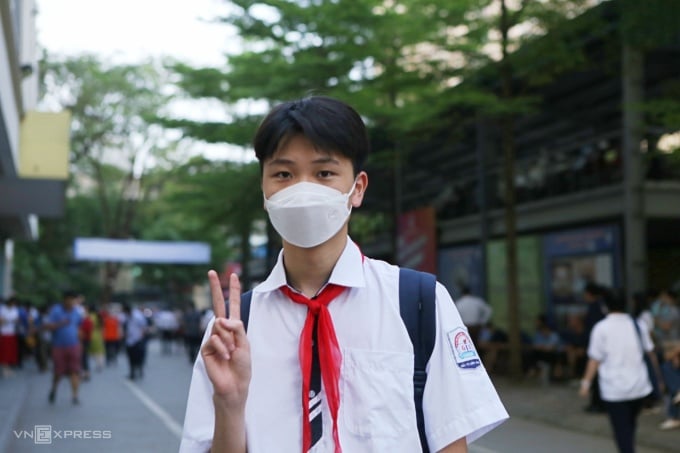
[{"x": 359, "y": 189}]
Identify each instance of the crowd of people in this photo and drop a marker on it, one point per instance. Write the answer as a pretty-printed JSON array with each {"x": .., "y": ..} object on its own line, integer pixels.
[
  {"x": 76, "y": 339},
  {"x": 596, "y": 348}
]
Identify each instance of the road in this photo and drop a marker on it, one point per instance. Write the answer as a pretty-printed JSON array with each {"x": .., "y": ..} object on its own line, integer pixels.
[
  {"x": 146, "y": 415},
  {"x": 518, "y": 435},
  {"x": 115, "y": 414}
]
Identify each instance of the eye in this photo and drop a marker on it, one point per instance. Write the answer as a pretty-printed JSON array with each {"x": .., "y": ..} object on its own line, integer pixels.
[
  {"x": 324, "y": 174},
  {"x": 282, "y": 175}
]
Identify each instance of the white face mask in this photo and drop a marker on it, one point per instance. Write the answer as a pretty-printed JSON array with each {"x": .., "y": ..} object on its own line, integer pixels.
[{"x": 308, "y": 214}]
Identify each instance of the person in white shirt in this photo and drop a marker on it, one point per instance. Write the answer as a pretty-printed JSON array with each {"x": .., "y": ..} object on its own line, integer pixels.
[
  {"x": 474, "y": 311},
  {"x": 167, "y": 324},
  {"x": 616, "y": 353},
  {"x": 136, "y": 328},
  {"x": 9, "y": 341},
  {"x": 326, "y": 305}
]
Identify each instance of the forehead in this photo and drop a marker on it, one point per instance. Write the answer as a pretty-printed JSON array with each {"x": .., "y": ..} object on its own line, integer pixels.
[{"x": 298, "y": 148}]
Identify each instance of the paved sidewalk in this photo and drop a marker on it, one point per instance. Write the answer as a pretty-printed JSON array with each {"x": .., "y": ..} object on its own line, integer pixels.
[
  {"x": 13, "y": 393},
  {"x": 110, "y": 401},
  {"x": 114, "y": 414},
  {"x": 558, "y": 404}
]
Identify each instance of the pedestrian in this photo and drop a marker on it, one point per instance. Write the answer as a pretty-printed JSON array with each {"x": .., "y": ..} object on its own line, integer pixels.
[
  {"x": 616, "y": 353},
  {"x": 64, "y": 321},
  {"x": 23, "y": 327},
  {"x": 547, "y": 353},
  {"x": 97, "y": 348},
  {"x": 192, "y": 331},
  {"x": 135, "y": 340},
  {"x": 167, "y": 325},
  {"x": 111, "y": 335},
  {"x": 86, "y": 328},
  {"x": 43, "y": 338},
  {"x": 9, "y": 340},
  {"x": 596, "y": 310},
  {"x": 327, "y": 306},
  {"x": 642, "y": 311},
  {"x": 474, "y": 311},
  {"x": 671, "y": 376},
  {"x": 666, "y": 314}
]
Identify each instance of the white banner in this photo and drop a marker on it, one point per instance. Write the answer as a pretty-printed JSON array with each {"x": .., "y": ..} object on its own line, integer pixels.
[{"x": 133, "y": 251}]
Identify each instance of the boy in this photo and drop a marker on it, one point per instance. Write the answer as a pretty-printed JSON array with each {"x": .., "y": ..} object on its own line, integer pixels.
[{"x": 326, "y": 306}]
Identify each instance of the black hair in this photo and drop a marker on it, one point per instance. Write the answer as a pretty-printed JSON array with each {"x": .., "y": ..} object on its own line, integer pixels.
[
  {"x": 671, "y": 293},
  {"x": 331, "y": 125},
  {"x": 69, "y": 294},
  {"x": 594, "y": 289},
  {"x": 614, "y": 300},
  {"x": 640, "y": 303}
]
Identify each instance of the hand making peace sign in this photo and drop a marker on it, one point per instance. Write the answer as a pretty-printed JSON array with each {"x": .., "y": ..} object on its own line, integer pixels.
[{"x": 227, "y": 352}]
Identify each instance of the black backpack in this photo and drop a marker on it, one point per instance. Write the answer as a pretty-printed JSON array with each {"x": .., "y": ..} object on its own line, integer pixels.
[{"x": 417, "y": 309}]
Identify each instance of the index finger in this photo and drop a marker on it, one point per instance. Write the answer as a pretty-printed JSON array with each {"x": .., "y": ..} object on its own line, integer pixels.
[
  {"x": 217, "y": 296},
  {"x": 234, "y": 297}
]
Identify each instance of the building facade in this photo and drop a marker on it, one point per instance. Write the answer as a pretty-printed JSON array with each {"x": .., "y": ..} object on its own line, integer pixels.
[
  {"x": 597, "y": 188},
  {"x": 33, "y": 145}
]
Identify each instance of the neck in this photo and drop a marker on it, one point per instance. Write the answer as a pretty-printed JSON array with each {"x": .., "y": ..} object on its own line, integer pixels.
[{"x": 308, "y": 269}]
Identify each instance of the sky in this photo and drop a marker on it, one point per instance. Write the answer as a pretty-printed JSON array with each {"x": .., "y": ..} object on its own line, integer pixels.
[{"x": 134, "y": 30}]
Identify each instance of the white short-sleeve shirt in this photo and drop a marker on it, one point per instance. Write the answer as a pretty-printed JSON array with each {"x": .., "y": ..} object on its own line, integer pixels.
[
  {"x": 377, "y": 410},
  {"x": 10, "y": 317},
  {"x": 622, "y": 374}
]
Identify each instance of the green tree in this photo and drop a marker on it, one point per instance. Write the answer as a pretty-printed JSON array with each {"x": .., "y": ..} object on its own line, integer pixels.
[
  {"x": 520, "y": 46},
  {"x": 217, "y": 202},
  {"x": 45, "y": 267},
  {"x": 390, "y": 60},
  {"x": 405, "y": 65},
  {"x": 113, "y": 144}
]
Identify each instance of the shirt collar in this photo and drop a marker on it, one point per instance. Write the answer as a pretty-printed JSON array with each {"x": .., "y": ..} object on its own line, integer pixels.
[{"x": 348, "y": 271}]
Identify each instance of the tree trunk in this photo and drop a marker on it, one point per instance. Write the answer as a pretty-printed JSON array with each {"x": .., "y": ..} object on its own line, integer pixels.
[{"x": 508, "y": 145}]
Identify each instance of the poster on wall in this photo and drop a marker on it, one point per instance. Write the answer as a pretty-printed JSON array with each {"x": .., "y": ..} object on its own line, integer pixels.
[
  {"x": 531, "y": 302},
  {"x": 417, "y": 240},
  {"x": 461, "y": 266},
  {"x": 575, "y": 257}
]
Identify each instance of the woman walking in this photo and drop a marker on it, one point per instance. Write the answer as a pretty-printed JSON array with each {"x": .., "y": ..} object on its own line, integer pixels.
[
  {"x": 9, "y": 342},
  {"x": 616, "y": 353}
]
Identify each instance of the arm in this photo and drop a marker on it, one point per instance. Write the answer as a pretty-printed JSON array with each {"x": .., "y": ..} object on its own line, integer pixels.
[
  {"x": 230, "y": 428},
  {"x": 588, "y": 376},
  {"x": 227, "y": 361},
  {"x": 51, "y": 324},
  {"x": 459, "y": 446},
  {"x": 671, "y": 353},
  {"x": 657, "y": 371}
]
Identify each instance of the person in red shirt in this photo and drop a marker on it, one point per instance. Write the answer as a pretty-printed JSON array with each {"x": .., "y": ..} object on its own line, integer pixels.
[
  {"x": 111, "y": 334},
  {"x": 86, "y": 328}
]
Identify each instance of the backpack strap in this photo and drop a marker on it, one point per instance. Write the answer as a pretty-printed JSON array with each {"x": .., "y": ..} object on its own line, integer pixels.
[
  {"x": 417, "y": 309},
  {"x": 245, "y": 307}
]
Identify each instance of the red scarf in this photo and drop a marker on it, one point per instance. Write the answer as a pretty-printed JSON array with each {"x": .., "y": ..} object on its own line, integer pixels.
[{"x": 330, "y": 356}]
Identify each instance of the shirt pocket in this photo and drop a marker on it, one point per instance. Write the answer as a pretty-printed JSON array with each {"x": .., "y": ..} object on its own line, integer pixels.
[{"x": 377, "y": 393}]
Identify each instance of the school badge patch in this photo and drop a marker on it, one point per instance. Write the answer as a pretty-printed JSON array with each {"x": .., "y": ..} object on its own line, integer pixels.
[{"x": 463, "y": 349}]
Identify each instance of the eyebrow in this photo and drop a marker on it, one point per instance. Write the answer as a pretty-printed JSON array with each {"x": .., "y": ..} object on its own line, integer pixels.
[{"x": 320, "y": 160}]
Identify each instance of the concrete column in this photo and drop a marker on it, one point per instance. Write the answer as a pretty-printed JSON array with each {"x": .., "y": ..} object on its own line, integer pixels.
[
  {"x": 6, "y": 256},
  {"x": 635, "y": 228}
]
